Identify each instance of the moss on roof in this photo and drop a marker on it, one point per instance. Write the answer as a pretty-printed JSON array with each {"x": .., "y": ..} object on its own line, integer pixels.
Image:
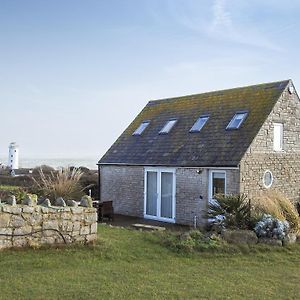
[{"x": 213, "y": 145}]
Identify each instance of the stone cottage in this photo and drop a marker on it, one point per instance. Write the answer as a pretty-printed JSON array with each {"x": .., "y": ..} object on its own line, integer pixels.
[{"x": 179, "y": 152}]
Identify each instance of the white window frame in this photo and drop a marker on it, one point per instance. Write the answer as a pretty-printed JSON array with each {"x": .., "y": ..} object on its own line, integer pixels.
[
  {"x": 210, "y": 183},
  {"x": 158, "y": 208},
  {"x": 163, "y": 130},
  {"x": 272, "y": 179},
  {"x": 201, "y": 117},
  {"x": 278, "y": 147},
  {"x": 136, "y": 131},
  {"x": 245, "y": 113}
]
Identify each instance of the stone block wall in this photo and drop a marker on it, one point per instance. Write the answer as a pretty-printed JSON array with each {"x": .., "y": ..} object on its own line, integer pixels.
[
  {"x": 191, "y": 196},
  {"x": 124, "y": 185},
  {"x": 22, "y": 225},
  {"x": 285, "y": 164},
  {"x": 192, "y": 193}
]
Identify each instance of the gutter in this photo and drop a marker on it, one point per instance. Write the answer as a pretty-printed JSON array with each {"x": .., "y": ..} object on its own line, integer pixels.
[{"x": 234, "y": 167}]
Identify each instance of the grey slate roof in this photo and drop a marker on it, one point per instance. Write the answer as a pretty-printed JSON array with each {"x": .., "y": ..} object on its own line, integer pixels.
[{"x": 213, "y": 145}]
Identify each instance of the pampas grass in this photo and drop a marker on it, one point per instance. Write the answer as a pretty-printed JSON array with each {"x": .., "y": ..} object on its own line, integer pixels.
[
  {"x": 64, "y": 183},
  {"x": 279, "y": 206}
]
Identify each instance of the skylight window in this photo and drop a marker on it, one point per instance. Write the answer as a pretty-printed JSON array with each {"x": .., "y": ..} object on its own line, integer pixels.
[
  {"x": 168, "y": 126},
  {"x": 199, "y": 124},
  {"x": 237, "y": 120},
  {"x": 141, "y": 128}
]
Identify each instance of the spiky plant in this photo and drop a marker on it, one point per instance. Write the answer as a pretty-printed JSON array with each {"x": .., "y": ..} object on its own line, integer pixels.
[
  {"x": 234, "y": 210},
  {"x": 64, "y": 183}
]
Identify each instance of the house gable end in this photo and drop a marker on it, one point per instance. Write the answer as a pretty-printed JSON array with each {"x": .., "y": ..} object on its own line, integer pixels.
[{"x": 261, "y": 158}]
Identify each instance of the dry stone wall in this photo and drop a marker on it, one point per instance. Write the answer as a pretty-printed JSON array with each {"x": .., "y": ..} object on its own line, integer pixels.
[{"x": 22, "y": 225}]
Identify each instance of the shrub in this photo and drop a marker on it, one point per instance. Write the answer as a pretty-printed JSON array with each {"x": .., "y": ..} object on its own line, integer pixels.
[
  {"x": 90, "y": 180},
  {"x": 230, "y": 211},
  {"x": 84, "y": 169},
  {"x": 45, "y": 168},
  {"x": 280, "y": 207},
  {"x": 20, "y": 195},
  {"x": 87, "y": 201},
  {"x": 192, "y": 241},
  {"x": 270, "y": 227},
  {"x": 6, "y": 191},
  {"x": 65, "y": 183}
]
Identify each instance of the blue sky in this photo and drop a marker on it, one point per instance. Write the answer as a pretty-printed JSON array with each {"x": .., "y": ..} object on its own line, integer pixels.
[{"x": 75, "y": 73}]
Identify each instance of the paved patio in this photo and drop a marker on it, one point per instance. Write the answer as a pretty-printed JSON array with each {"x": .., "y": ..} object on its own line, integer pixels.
[{"x": 127, "y": 221}]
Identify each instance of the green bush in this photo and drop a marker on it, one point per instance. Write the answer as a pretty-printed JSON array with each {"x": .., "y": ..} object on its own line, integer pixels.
[
  {"x": 45, "y": 168},
  {"x": 6, "y": 191},
  {"x": 234, "y": 209},
  {"x": 192, "y": 241},
  {"x": 88, "y": 199},
  {"x": 20, "y": 194}
]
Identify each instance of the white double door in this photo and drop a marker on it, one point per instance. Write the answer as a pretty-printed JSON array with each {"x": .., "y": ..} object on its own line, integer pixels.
[{"x": 159, "y": 194}]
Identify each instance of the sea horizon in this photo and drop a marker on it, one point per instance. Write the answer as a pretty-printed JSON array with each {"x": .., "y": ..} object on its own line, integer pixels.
[{"x": 32, "y": 162}]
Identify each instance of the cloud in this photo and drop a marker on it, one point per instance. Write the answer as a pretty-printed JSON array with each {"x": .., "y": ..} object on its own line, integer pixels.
[
  {"x": 223, "y": 27},
  {"x": 221, "y": 20},
  {"x": 221, "y": 17}
]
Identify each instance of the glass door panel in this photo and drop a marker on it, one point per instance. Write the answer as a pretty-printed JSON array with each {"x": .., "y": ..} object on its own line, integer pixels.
[
  {"x": 151, "y": 200},
  {"x": 166, "y": 195}
]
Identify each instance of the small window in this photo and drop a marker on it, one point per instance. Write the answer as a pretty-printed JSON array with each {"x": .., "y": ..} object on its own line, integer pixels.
[
  {"x": 278, "y": 137},
  {"x": 217, "y": 184},
  {"x": 168, "y": 126},
  {"x": 199, "y": 124},
  {"x": 268, "y": 179},
  {"x": 141, "y": 128},
  {"x": 237, "y": 120}
]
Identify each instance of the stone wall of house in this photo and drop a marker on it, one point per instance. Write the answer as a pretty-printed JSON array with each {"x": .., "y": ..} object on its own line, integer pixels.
[
  {"x": 191, "y": 196},
  {"x": 192, "y": 193},
  {"x": 124, "y": 185},
  {"x": 284, "y": 165},
  {"x": 22, "y": 225}
]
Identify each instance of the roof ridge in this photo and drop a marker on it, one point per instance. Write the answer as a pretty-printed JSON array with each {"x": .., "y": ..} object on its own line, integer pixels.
[{"x": 219, "y": 91}]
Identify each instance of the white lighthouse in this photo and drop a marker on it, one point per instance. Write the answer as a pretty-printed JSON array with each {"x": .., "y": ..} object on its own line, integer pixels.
[{"x": 13, "y": 156}]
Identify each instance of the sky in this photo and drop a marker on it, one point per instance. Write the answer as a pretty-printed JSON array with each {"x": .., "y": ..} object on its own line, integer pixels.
[{"x": 74, "y": 73}]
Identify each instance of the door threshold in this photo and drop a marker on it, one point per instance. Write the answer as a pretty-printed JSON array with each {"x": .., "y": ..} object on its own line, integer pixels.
[{"x": 166, "y": 220}]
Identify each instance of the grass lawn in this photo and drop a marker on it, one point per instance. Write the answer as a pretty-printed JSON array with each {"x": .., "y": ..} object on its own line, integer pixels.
[
  {"x": 127, "y": 264},
  {"x": 8, "y": 187}
]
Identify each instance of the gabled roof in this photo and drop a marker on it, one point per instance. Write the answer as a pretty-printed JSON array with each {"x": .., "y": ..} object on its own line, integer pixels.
[{"x": 213, "y": 145}]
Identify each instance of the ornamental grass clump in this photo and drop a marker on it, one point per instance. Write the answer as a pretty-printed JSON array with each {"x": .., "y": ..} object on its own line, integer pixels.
[
  {"x": 270, "y": 227},
  {"x": 64, "y": 183},
  {"x": 278, "y": 206}
]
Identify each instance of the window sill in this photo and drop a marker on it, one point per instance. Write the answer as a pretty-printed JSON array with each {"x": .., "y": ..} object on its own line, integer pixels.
[{"x": 278, "y": 151}]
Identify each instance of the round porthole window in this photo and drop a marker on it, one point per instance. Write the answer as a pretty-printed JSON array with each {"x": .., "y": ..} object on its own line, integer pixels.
[{"x": 268, "y": 179}]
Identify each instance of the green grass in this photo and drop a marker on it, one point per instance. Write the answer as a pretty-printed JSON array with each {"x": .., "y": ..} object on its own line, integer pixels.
[
  {"x": 127, "y": 264},
  {"x": 8, "y": 187}
]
